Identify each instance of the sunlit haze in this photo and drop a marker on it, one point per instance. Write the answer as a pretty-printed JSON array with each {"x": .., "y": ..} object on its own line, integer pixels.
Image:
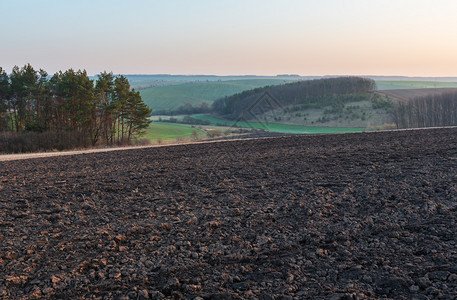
[{"x": 325, "y": 37}]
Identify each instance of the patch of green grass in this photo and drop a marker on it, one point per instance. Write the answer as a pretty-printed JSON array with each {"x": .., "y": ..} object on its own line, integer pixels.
[
  {"x": 213, "y": 120},
  {"x": 161, "y": 130},
  {"x": 393, "y": 85},
  {"x": 171, "y": 97},
  {"x": 276, "y": 127}
]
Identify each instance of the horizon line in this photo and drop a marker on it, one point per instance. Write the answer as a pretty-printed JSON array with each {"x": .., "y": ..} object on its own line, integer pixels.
[{"x": 277, "y": 75}]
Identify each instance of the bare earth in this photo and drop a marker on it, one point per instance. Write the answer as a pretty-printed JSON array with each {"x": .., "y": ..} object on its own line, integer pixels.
[
  {"x": 350, "y": 216},
  {"x": 8, "y": 157}
]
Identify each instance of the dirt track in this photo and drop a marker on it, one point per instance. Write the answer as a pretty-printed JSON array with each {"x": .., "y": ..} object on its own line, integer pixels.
[
  {"x": 257, "y": 135},
  {"x": 9, "y": 157},
  {"x": 337, "y": 216}
]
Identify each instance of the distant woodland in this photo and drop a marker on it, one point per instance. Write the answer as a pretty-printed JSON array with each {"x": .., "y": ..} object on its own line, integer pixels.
[
  {"x": 428, "y": 111},
  {"x": 67, "y": 110},
  {"x": 310, "y": 93},
  {"x": 433, "y": 110}
]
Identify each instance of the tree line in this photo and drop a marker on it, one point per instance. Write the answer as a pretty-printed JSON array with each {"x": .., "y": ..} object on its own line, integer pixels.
[
  {"x": 72, "y": 109},
  {"x": 309, "y": 93},
  {"x": 427, "y": 111}
]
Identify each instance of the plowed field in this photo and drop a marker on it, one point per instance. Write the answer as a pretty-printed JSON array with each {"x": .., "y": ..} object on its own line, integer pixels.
[{"x": 370, "y": 215}]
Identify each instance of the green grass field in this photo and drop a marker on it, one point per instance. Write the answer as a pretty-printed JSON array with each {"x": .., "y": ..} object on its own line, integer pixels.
[
  {"x": 173, "y": 96},
  {"x": 393, "y": 85},
  {"x": 276, "y": 127},
  {"x": 161, "y": 130},
  {"x": 179, "y": 90}
]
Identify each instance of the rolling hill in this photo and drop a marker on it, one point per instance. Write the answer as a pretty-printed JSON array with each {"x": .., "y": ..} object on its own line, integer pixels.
[
  {"x": 394, "y": 85},
  {"x": 170, "y": 97},
  {"x": 316, "y": 93},
  {"x": 408, "y": 94}
]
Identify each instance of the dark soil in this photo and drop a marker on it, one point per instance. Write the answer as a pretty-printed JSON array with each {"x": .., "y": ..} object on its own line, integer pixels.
[
  {"x": 253, "y": 134},
  {"x": 310, "y": 217}
]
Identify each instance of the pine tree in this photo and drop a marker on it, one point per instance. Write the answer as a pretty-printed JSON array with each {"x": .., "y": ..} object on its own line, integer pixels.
[
  {"x": 69, "y": 105},
  {"x": 23, "y": 85},
  {"x": 104, "y": 88},
  {"x": 120, "y": 103},
  {"x": 4, "y": 97},
  {"x": 138, "y": 115}
]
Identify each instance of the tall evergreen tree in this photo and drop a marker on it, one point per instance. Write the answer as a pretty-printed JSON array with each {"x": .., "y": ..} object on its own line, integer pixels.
[
  {"x": 138, "y": 115},
  {"x": 120, "y": 103},
  {"x": 104, "y": 87},
  {"x": 23, "y": 85},
  {"x": 71, "y": 106},
  {"x": 4, "y": 97}
]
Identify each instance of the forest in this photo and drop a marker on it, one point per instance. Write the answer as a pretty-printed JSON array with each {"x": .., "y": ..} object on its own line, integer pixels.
[
  {"x": 310, "y": 92},
  {"x": 67, "y": 110},
  {"x": 427, "y": 111}
]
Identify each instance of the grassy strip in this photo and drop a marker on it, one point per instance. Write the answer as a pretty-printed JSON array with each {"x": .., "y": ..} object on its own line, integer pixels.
[
  {"x": 173, "y": 96},
  {"x": 277, "y": 127},
  {"x": 160, "y": 130},
  {"x": 392, "y": 85}
]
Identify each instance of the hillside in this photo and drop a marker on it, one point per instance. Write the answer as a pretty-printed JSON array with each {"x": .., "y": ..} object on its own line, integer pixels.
[
  {"x": 409, "y": 94},
  {"x": 360, "y": 110},
  {"x": 310, "y": 93},
  {"x": 401, "y": 84},
  {"x": 349, "y": 216},
  {"x": 172, "y": 96},
  {"x": 345, "y": 102},
  {"x": 145, "y": 81},
  {"x": 274, "y": 126},
  {"x": 168, "y": 92}
]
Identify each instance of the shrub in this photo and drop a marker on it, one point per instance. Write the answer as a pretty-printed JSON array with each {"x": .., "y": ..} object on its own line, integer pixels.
[
  {"x": 195, "y": 134},
  {"x": 213, "y": 133},
  {"x": 143, "y": 142},
  {"x": 23, "y": 142}
]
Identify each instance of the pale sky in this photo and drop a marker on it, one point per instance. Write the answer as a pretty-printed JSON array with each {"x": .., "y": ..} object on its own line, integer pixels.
[{"x": 236, "y": 37}]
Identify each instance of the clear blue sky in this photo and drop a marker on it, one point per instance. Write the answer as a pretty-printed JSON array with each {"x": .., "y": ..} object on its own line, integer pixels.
[{"x": 307, "y": 37}]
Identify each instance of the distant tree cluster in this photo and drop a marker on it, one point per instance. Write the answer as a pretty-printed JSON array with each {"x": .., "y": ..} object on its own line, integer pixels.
[
  {"x": 69, "y": 107},
  {"x": 429, "y": 111},
  {"x": 307, "y": 92}
]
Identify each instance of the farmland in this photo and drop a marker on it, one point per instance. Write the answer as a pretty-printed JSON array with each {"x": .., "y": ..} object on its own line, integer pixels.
[
  {"x": 362, "y": 112},
  {"x": 408, "y": 94},
  {"x": 169, "y": 93},
  {"x": 159, "y": 130},
  {"x": 166, "y": 92},
  {"x": 393, "y": 84},
  {"x": 277, "y": 127},
  {"x": 369, "y": 215},
  {"x": 170, "y": 97},
  {"x": 145, "y": 81}
]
